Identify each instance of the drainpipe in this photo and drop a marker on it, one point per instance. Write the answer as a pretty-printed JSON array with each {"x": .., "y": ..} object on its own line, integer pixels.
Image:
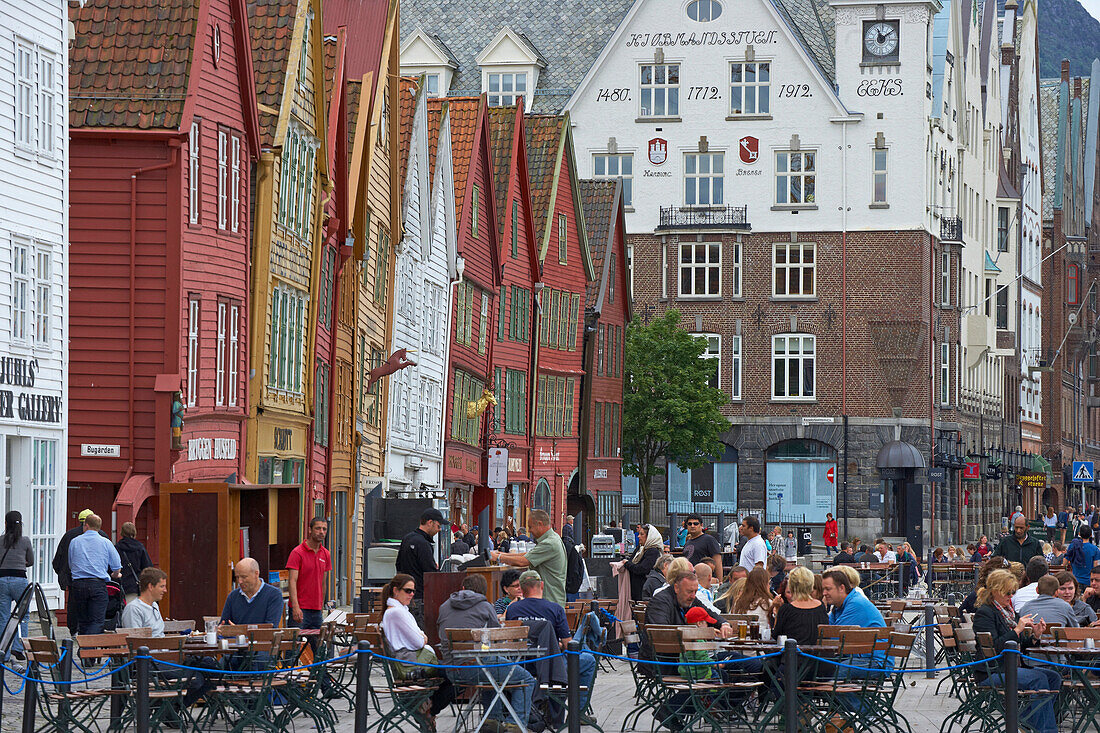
[
  {"x": 932, "y": 384},
  {"x": 172, "y": 158}
]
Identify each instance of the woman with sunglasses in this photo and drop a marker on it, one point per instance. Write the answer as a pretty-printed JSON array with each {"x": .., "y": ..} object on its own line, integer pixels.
[{"x": 409, "y": 643}]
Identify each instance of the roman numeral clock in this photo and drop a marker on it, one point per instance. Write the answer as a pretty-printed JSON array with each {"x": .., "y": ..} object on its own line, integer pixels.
[{"x": 881, "y": 42}]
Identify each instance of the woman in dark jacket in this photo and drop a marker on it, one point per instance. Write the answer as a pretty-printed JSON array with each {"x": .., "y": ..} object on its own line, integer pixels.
[
  {"x": 650, "y": 545},
  {"x": 996, "y": 617},
  {"x": 134, "y": 559}
]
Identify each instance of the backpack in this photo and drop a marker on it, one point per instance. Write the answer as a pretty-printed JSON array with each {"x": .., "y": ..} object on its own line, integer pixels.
[{"x": 574, "y": 571}]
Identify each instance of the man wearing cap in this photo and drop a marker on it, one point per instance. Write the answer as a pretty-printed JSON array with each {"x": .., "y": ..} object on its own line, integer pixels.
[
  {"x": 61, "y": 559},
  {"x": 416, "y": 555}
]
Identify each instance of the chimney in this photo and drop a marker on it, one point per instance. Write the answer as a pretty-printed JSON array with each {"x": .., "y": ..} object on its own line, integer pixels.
[
  {"x": 1076, "y": 87},
  {"x": 1065, "y": 69}
]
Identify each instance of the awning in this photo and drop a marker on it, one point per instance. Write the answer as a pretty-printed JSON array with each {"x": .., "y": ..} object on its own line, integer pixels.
[
  {"x": 899, "y": 454},
  {"x": 131, "y": 495},
  {"x": 1040, "y": 464},
  {"x": 990, "y": 265}
]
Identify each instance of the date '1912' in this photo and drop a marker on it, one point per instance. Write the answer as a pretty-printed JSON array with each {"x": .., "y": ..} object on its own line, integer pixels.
[{"x": 795, "y": 90}]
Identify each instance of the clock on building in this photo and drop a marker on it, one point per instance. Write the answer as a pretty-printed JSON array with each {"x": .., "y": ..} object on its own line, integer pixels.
[{"x": 880, "y": 41}]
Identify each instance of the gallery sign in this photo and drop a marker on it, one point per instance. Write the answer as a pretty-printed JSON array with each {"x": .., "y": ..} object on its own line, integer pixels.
[{"x": 28, "y": 406}]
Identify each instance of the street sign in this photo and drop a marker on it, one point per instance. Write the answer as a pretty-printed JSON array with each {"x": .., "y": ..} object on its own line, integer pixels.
[
  {"x": 937, "y": 474},
  {"x": 702, "y": 493},
  {"x": 1082, "y": 471},
  {"x": 831, "y": 475},
  {"x": 498, "y": 468},
  {"x": 973, "y": 471}
]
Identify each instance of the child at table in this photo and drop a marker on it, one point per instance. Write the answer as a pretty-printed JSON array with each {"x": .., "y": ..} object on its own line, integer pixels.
[{"x": 689, "y": 661}]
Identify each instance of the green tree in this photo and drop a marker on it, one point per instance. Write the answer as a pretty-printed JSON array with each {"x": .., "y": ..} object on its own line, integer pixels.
[{"x": 669, "y": 408}]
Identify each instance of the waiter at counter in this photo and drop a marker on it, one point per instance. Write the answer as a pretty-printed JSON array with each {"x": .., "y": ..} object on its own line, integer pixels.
[{"x": 416, "y": 555}]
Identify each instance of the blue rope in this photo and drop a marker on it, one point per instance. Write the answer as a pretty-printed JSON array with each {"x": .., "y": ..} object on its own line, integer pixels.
[
  {"x": 883, "y": 670},
  {"x": 471, "y": 666},
  {"x": 102, "y": 667},
  {"x": 1057, "y": 664},
  {"x": 67, "y": 682},
  {"x": 12, "y": 692},
  {"x": 610, "y": 615},
  {"x": 710, "y": 663},
  {"x": 253, "y": 673}
]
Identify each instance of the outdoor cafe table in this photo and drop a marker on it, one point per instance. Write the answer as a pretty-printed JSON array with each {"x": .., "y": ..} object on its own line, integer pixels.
[
  {"x": 495, "y": 655},
  {"x": 1082, "y": 693}
]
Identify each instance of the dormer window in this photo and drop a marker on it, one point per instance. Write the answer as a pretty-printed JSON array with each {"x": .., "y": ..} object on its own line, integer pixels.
[
  {"x": 510, "y": 67},
  {"x": 505, "y": 87},
  {"x": 425, "y": 54}
]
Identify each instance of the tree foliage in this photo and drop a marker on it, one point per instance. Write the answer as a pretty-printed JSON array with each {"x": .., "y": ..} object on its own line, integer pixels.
[{"x": 669, "y": 408}]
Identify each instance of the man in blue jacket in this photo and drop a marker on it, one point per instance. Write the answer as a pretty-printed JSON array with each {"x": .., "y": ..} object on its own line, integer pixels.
[
  {"x": 852, "y": 609},
  {"x": 253, "y": 601}
]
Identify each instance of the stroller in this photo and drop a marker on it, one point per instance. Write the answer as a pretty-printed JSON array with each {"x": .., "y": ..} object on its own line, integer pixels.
[{"x": 116, "y": 601}]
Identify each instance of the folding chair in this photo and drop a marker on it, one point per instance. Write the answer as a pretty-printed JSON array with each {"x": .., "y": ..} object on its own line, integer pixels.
[
  {"x": 168, "y": 686},
  {"x": 247, "y": 701},
  {"x": 501, "y": 641},
  {"x": 63, "y": 707},
  {"x": 407, "y": 697}
]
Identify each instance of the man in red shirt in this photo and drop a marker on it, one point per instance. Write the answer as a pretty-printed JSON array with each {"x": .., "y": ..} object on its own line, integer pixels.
[{"x": 308, "y": 563}]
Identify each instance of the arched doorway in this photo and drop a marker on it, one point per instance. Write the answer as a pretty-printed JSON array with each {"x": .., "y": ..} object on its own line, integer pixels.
[
  {"x": 542, "y": 498},
  {"x": 801, "y": 482}
]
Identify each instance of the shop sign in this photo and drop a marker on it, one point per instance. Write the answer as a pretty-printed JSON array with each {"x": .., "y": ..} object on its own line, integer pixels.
[
  {"x": 599, "y": 473},
  {"x": 99, "y": 450},
  {"x": 551, "y": 455},
  {"x": 515, "y": 465},
  {"x": 497, "y": 477},
  {"x": 28, "y": 407},
  {"x": 218, "y": 449},
  {"x": 462, "y": 467},
  {"x": 1031, "y": 480},
  {"x": 283, "y": 440},
  {"x": 972, "y": 472}
]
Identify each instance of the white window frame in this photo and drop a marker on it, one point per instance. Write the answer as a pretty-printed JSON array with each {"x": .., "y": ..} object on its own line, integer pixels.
[
  {"x": 609, "y": 166},
  {"x": 805, "y": 354},
  {"x": 945, "y": 277},
  {"x": 692, "y": 267},
  {"x": 784, "y": 172},
  {"x": 223, "y": 173},
  {"x": 46, "y": 68},
  {"x": 303, "y": 57},
  {"x": 235, "y": 184},
  {"x": 695, "y": 178},
  {"x": 26, "y": 95},
  {"x": 287, "y": 356},
  {"x": 758, "y": 89},
  {"x": 194, "y": 319},
  {"x": 880, "y": 162},
  {"x": 220, "y": 356},
  {"x": 43, "y": 293},
  {"x": 428, "y": 81},
  {"x": 945, "y": 370},
  {"x": 659, "y": 87},
  {"x": 194, "y": 153},
  {"x": 45, "y": 495},
  {"x": 21, "y": 300},
  {"x": 735, "y": 367},
  {"x": 502, "y": 97},
  {"x": 234, "y": 352},
  {"x": 708, "y": 15},
  {"x": 795, "y": 269},
  {"x": 713, "y": 351}
]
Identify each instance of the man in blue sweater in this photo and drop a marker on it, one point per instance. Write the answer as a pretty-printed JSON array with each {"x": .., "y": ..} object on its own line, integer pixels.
[
  {"x": 253, "y": 601},
  {"x": 851, "y": 609}
]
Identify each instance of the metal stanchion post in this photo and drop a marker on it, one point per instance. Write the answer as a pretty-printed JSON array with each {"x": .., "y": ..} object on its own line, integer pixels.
[
  {"x": 901, "y": 579},
  {"x": 141, "y": 702},
  {"x": 673, "y": 529},
  {"x": 1012, "y": 686},
  {"x": 929, "y": 639},
  {"x": 790, "y": 686},
  {"x": 30, "y": 699},
  {"x": 362, "y": 685},
  {"x": 573, "y": 675}
]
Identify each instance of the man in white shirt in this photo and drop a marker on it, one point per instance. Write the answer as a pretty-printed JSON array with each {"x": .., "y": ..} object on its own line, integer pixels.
[
  {"x": 144, "y": 611},
  {"x": 885, "y": 554},
  {"x": 754, "y": 550},
  {"x": 1036, "y": 568}
]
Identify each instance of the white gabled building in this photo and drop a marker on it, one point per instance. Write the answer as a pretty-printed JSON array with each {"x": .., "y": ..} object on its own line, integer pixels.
[
  {"x": 34, "y": 280},
  {"x": 425, "y": 264}
]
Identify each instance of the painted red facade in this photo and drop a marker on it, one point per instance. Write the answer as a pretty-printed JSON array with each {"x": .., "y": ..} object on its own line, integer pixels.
[{"x": 159, "y": 295}]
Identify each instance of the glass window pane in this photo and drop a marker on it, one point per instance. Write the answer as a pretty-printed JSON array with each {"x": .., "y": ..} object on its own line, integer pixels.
[
  {"x": 521, "y": 82},
  {"x": 715, "y": 254},
  {"x": 494, "y": 82},
  {"x": 750, "y": 73},
  {"x": 506, "y": 82},
  {"x": 689, "y": 164},
  {"x": 762, "y": 102},
  {"x": 810, "y": 160},
  {"x": 750, "y": 102},
  {"x": 700, "y": 281},
  {"x": 659, "y": 102},
  {"x": 674, "y": 101},
  {"x": 627, "y": 164},
  {"x": 647, "y": 74},
  {"x": 717, "y": 191},
  {"x": 808, "y": 378},
  {"x": 808, "y": 254},
  {"x": 685, "y": 281},
  {"x": 704, "y": 193},
  {"x": 796, "y": 162},
  {"x": 674, "y": 74},
  {"x": 717, "y": 162},
  {"x": 764, "y": 71},
  {"x": 796, "y": 189},
  {"x": 735, "y": 100},
  {"x": 689, "y": 191},
  {"x": 810, "y": 183},
  {"x": 780, "y": 378},
  {"x": 658, "y": 74},
  {"x": 714, "y": 288},
  {"x": 735, "y": 73},
  {"x": 781, "y": 189},
  {"x": 781, "y": 162},
  {"x": 599, "y": 165},
  {"x": 647, "y": 101}
]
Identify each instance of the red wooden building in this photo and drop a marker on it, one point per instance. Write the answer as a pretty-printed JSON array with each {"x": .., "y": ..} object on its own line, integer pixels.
[
  {"x": 566, "y": 272},
  {"x": 163, "y": 132},
  {"x": 606, "y": 313},
  {"x": 514, "y": 350},
  {"x": 469, "y": 371}
]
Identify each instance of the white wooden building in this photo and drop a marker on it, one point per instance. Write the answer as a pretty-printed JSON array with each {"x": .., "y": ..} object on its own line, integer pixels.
[{"x": 34, "y": 280}]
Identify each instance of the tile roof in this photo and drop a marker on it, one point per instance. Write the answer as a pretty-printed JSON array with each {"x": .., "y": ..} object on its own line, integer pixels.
[
  {"x": 354, "y": 94},
  {"x": 406, "y": 110},
  {"x": 502, "y": 133},
  {"x": 130, "y": 61},
  {"x": 598, "y": 199},
  {"x": 1048, "y": 132},
  {"x": 543, "y": 133},
  {"x": 569, "y": 34},
  {"x": 463, "y": 116},
  {"x": 813, "y": 22},
  {"x": 271, "y": 28},
  {"x": 330, "y": 48}
]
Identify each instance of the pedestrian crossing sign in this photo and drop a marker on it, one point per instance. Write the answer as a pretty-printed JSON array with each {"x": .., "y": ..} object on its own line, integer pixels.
[{"x": 1082, "y": 471}]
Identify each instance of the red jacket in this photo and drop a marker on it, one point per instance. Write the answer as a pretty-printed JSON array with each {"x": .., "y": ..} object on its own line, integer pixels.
[{"x": 830, "y": 533}]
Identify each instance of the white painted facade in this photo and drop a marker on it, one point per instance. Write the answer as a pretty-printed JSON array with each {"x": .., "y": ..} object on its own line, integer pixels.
[
  {"x": 34, "y": 280},
  {"x": 425, "y": 256}
]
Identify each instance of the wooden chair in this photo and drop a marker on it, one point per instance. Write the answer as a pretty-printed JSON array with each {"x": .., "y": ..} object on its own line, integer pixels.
[
  {"x": 64, "y": 707},
  {"x": 137, "y": 631},
  {"x": 1074, "y": 636},
  {"x": 93, "y": 647},
  {"x": 829, "y": 636},
  {"x": 179, "y": 627}
]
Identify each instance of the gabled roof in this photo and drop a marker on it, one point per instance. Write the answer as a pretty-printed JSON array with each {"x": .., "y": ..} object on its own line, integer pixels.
[
  {"x": 434, "y": 43},
  {"x": 355, "y": 98},
  {"x": 519, "y": 39},
  {"x": 368, "y": 19},
  {"x": 271, "y": 27},
  {"x": 502, "y": 135},
  {"x": 130, "y": 63},
  {"x": 813, "y": 23},
  {"x": 598, "y": 199},
  {"x": 570, "y": 34},
  {"x": 1050, "y": 118},
  {"x": 544, "y": 142},
  {"x": 406, "y": 109},
  {"x": 463, "y": 113}
]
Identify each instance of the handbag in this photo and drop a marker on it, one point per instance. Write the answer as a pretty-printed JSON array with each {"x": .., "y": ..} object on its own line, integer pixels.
[{"x": 423, "y": 655}]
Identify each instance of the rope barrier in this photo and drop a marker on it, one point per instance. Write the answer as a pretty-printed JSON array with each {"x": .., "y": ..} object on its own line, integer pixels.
[
  {"x": 253, "y": 673},
  {"x": 709, "y": 663},
  {"x": 471, "y": 666},
  {"x": 883, "y": 670},
  {"x": 610, "y": 615},
  {"x": 1058, "y": 664},
  {"x": 67, "y": 682},
  {"x": 12, "y": 692}
]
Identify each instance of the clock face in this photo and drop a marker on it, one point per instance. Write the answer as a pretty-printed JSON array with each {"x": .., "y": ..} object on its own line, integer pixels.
[{"x": 880, "y": 39}]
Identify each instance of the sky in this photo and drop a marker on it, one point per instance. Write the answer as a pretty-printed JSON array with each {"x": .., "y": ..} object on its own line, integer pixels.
[{"x": 1093, "y": 6}]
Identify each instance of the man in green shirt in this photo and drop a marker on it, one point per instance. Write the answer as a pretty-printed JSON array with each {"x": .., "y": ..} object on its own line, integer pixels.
[{"x": 547, "y": 557}]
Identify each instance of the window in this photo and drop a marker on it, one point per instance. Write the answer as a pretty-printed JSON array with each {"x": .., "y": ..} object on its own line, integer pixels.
[
  {"x": 430, "y": 405},
  {"x": 43, "y": 294},
  {"x": 703, "y": 177},
  {"x": 220, "y": 354},
  {"x": 563, "y": 239},
  {"x": 321, "y": 405},
  {"x": 303, "y": 58},
  {"x": 431, "y": 84},
  {"x": 465, "y": 294},
  {"x": 515, "y": 402},
  {"x": 235, "y": 183},
  {"x": 601, "y": 348},
  {"x": 328, "y": 267},
  {"x": 467, "y": 389},
  {"x": 193, "y": 316},
  {"x": 44, "y": 499},
  {"x": 296, "y": 181},
  {"x": 287, "y": 346},
  {"x": 713, "y": 355},
  {"x": 660, "y": 90},
  {"x": 501, "y": 312},
  {"x": 795, "y": 177},
  {"x": 945, "y": 371},
  {"x": 505, "y": 88},
  {"x": 1073, "y": 287},
  {"x": 373, "y": 401},
  {"x": 750, "y": 86},
  {"x": 515, "y": 229},
  {"x": 611, "y": 280},
  {"x": 794, "y": 268},
  {"x": 519, "y": 326},
  {"x": 574, "y": 315},
  {"x": 475, "y": 205},
  {"x": 878, "y": 174},
  {"x": 793, "y": 367},
  {"x": 35, "y": 98},
  {"x": 223, "y": 175},
  {"x": 483, "y": 325},
  {"x": 1002, "y": 228},
  {"x": 194, "y": 150},
  {"x": 435, "y": 310},
  {"x": 21, "y": 290},
  {"x": 382, "y": 266},
  {"x": 597, "y": 429},
  {"x": 616, "y": 165},
  {"x": 1002, "y": 308},
  {"x": 704, "y": 11},
  {"x": 700, "y": 269},
  {"x": 234, "y": 352},
  {"x": 609, "y": 505},
  {"x": 554, "y": 415},
  {"x": 945, "y": 278}
]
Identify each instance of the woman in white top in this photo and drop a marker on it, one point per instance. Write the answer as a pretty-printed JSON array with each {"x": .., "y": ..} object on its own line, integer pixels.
[
  {"x": 755, "y": 599},
  {"x": 410, "y": 644}
]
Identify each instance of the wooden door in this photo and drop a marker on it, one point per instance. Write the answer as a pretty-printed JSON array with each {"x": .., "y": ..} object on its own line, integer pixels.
[{"x": 194, "y": 549}]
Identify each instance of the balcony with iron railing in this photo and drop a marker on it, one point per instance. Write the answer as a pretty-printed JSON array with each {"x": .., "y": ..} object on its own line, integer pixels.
[
  {"x": 951, "y": 229},
  {"x": 717, "y": 218}
]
